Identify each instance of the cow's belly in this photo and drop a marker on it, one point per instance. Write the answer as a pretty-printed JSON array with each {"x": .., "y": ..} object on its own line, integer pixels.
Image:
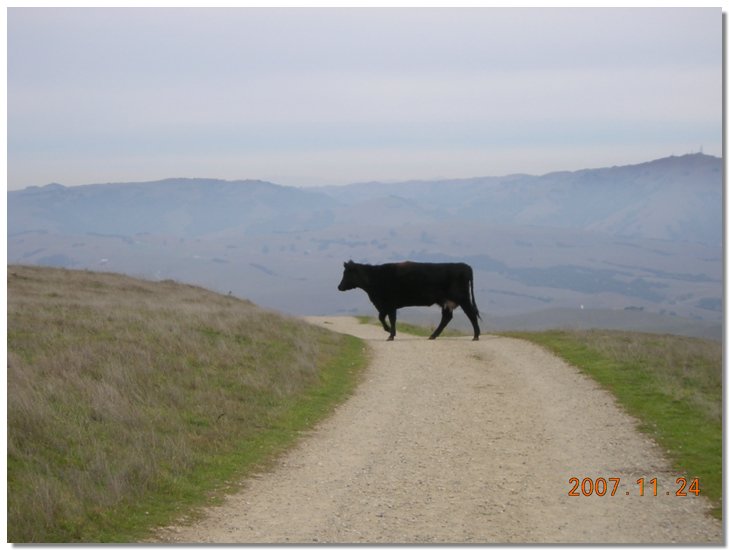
[{"x": 406, "y": 299}]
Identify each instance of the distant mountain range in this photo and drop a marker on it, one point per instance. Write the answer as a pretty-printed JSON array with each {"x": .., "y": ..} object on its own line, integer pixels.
[
  {"x": 674, "y": 198},
  {"x": 642, "y": 236}
]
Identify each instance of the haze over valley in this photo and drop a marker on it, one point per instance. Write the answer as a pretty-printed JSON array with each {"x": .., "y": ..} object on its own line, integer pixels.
[{"x": 636, "y": 246}]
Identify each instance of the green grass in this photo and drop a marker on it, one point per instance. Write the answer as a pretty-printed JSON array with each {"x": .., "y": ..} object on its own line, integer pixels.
[
  {"x": 671, "y": 384},
  {"x": 132, "y": 402}
]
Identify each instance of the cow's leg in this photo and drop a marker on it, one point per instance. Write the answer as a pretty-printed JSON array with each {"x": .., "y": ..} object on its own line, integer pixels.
[
  {"x": 393, "y": 318},
  {"x": 382, "y": 316},
  {"x": 473, "y": 317},
  {"x": 447, "y": 312}
]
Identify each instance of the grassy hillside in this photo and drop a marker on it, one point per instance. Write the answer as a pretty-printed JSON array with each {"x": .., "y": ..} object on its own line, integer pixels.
[
  {"x": 671, "y": 384},
  {"x": 130, "y": 401}
]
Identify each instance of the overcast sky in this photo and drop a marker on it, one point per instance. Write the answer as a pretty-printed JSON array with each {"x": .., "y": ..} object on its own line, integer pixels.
[{"x": 327, "y": 96}]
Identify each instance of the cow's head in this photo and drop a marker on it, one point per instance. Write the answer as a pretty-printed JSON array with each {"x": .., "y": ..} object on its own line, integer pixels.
[{"x": 352, "y": 277}]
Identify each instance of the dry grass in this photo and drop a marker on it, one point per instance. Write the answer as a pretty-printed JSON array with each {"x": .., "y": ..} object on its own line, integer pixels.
[
  {"x": 119, "y": 387},
  {"x": 686, "y": 369}
]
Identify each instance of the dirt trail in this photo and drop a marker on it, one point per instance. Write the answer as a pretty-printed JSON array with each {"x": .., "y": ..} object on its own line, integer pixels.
[{"x": 452, "y": 441}]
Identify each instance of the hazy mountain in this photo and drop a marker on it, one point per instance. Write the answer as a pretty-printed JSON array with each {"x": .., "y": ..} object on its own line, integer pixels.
[
  {"x": 643, "y": 236},
  {"x": 675, "y": 198},
  {"x": 184, "y": 207}
]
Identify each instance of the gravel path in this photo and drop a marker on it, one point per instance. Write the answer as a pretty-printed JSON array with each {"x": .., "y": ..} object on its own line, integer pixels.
[{"x": 454, "y": 441}]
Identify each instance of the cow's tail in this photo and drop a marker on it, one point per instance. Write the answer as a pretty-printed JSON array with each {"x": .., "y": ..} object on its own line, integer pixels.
[{"x": 473, "y": 295}]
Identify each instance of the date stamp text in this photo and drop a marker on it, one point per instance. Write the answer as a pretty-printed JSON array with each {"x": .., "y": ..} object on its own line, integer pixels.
[{"x": 600, "y": 486}]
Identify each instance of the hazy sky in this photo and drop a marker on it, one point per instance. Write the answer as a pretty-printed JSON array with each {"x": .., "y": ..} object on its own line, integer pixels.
[{"x": 319, "y": 96}]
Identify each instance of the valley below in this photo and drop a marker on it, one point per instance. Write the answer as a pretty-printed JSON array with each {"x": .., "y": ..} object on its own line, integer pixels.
[{"x": 637, "y": 247}]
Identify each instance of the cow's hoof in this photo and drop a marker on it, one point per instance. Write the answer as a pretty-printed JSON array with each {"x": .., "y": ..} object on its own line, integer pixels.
[
  {"x": 431, "y": 337},
  {"x": 475, "y": 338},
  {"x": 391, "y": 338}
]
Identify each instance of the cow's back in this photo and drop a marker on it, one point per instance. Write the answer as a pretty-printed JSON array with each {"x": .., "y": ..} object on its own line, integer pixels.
[{"x": 436, "y": 274}]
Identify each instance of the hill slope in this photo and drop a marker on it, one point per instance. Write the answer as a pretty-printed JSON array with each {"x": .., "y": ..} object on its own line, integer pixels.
[{"x": 127, "y": 398}]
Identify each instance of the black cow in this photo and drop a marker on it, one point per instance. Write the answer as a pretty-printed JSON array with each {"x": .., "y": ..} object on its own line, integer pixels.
[{"x": 392, "y": 286}]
